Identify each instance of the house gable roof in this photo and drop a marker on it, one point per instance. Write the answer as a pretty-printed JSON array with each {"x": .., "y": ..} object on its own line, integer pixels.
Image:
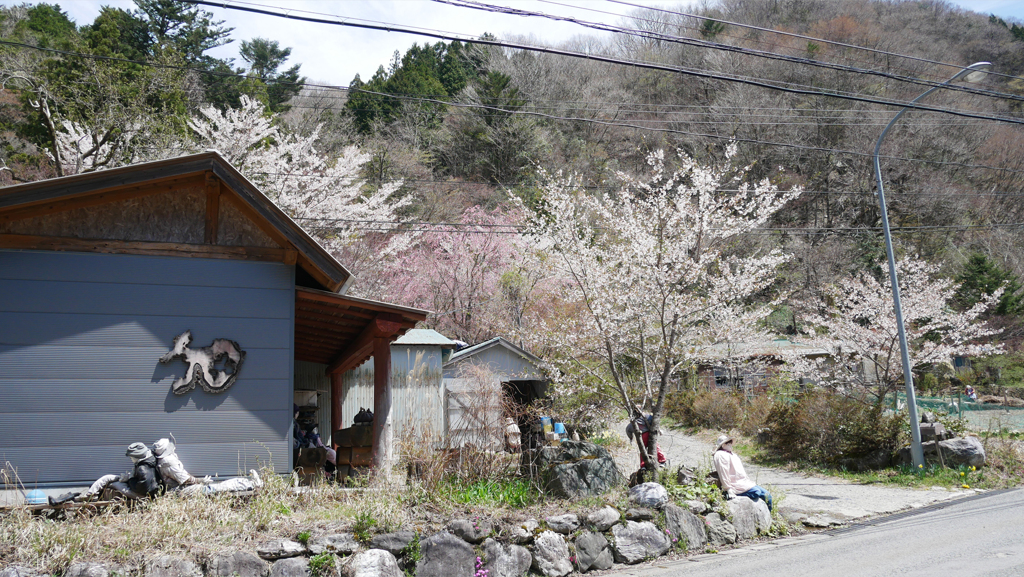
[
  {"x": 495, "y": 342},
  {"x": 208, "y": 169}
]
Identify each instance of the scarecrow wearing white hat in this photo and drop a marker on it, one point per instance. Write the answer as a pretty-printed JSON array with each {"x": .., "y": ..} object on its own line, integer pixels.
[{"x": 733, "y": 478}]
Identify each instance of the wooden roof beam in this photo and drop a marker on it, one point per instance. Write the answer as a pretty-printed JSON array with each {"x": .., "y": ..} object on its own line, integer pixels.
[{"x": 384, "y": 326}]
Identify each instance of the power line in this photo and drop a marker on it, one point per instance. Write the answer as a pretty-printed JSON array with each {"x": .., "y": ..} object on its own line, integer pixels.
[
  {"x": 803, "y": 37},
  {"x": 474, "y": 5},
  {"x": 688, "y": 133},
  {"x": 293, "y": 15}
]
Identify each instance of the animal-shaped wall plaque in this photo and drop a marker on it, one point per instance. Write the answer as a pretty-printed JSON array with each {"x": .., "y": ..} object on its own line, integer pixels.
[{"x": 203, "y": 364}]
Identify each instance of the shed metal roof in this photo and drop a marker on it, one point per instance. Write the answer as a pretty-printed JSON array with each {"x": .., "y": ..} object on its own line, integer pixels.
[{"x": 425, "y": 337}]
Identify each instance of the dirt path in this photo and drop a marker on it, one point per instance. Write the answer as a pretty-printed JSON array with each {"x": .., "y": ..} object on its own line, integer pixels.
[{"x": 816, "y": 501}]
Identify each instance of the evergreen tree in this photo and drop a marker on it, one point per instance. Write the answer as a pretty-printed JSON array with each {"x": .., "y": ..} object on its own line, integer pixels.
[
  {"x": 265, "y": 57},
  {"x": 982, "y": 277}
]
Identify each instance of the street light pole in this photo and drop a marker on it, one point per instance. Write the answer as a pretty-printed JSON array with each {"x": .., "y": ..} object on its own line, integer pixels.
[{"x": 973, "y": 73}]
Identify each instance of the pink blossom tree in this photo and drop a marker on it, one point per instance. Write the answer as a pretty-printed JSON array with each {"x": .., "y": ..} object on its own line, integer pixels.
[
  {"x": 854, "y": 320},
  {"x": 658, "y": 273},
  {"x": 476, "y": 276}
]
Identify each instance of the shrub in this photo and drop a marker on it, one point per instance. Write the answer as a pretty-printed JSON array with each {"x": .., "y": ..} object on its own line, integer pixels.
[
  {"x": 716, "y": 410},
  {"x": 709, "y": 409},
  {"x": 823, "y": 427},
  {"x": 755, "y": 415}
]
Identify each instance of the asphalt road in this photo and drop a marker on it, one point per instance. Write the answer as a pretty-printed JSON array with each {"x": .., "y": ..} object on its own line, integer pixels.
[{"x": 976, "y": 536}]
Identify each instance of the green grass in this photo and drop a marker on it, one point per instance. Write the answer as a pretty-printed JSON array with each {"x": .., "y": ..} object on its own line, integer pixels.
[{"x": 513, "y": 493}]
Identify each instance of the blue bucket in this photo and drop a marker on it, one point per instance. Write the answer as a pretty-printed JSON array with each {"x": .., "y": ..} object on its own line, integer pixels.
[
  {"x": 560, "y": 429},
  {"x": 35, "y": 497}
]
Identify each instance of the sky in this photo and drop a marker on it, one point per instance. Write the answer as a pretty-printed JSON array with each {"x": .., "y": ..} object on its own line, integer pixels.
[{"x": 335, "y": 54}]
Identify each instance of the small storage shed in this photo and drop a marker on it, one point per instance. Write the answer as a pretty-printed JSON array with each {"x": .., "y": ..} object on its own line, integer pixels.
[
  {"x": 100, "y": 272},
  {"x": 417, "y": 405},
  {"x": 476, "y": 378}
]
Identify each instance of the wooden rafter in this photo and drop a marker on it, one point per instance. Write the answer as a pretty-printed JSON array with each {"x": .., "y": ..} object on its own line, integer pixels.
[{"x": 384, "y": 326}]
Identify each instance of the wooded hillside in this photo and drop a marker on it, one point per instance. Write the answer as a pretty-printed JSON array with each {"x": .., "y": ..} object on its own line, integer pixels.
[{"x": 463, "y": 134}]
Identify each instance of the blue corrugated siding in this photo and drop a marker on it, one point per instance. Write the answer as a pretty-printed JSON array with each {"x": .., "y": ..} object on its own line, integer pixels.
[{"x": 80, "y": 335}]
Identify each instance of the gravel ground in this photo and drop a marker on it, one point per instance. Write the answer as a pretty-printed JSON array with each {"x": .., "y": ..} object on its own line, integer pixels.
[{"x": 816, "y": 501}]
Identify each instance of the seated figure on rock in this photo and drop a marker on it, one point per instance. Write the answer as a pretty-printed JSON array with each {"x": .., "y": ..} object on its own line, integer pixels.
[{"x": 733, "y": 477}]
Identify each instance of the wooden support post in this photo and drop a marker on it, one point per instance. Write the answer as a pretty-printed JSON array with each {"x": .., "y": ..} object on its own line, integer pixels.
[
  {"x": 382, "y": 435},
  {"x": 336, "y": 382}
]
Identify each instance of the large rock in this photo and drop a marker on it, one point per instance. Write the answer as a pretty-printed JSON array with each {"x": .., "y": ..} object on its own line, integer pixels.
[
  {"x": 472, "y": 531},
  {"x": 236, "y": 564},
  {"x": 634, "y": 542},
  {"x": 19, "y": 571},
  {"x": 650, "y": 495},
  {"x": 563, "y": 524},
  {"x": 291, "y": 567},
  {"x": 338, "y": 543},
  {"x": 393, "y": 543},
  {"x": 683, "y": 524},
  {"x": 967, "y": 451},
  {"x": 593, "y": 552},
  {"x": 577, "y": 469},
  {"x": 744, "y": 517},
  {"x": 280, "y": 549},
  {"x": 445, "y": 555},
  {"x": 95, "y": 570},
  {"x": 371, "y": 563},
  {"x": 551, "y": 555},
  {"x": 506, "y": 560},
  {"x": 169, "y": 566},
  {"x": 604, "y": 518},
  {"x": 696, "y": 506},
  {"x": 720, "y": 531}
]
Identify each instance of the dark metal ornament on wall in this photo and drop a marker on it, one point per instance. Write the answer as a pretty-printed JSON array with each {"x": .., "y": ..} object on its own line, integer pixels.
[{"x": 202, "y": 364}]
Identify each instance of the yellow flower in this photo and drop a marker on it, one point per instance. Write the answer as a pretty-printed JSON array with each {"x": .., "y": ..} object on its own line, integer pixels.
[
  {"x": 920, "y": 466},
  {"x": 973, "y": 469},
  {"x": 961, "y": 473},
  {"x": 965, "y": 486}
]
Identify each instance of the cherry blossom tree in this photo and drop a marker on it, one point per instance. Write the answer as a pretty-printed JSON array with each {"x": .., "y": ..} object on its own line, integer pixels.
[
  {"x": 659, "y": 272},
  {"x": 854, "y": 319},
  {"x": 477, "y": 276},
  {"x": 324, "y": 194}
]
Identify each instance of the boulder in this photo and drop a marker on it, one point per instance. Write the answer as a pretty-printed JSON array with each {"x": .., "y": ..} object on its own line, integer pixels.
[
  {"x": 650, "y": 495},
  {"x": 551, "y": 555},
  {"x": 170, "y": 566},
  {"x": 683, "y": 524},
  {"x": 280, "y": 549},
  {"x": 563, "y": 524},
  {"x": 94, "y": 570},
  {"x": 744, "y": 517},
  {"x": 445, "y": 555},
  {"x": 634, "y": 514},
  {"x": 696, "y": 507},
  {"x": 338, "y": 543},
  {"x": 291, "y": 567},
  {"x": 593, "y": 552},
  {"x": 393, "y": 543},
  {"x": 506, "y": 560},
  {"x": 371, "y": 563},
  {"x": 577, "y": 469},
  {"x": 471, "y": 531},
  {"x": 603, "y": 518},
  {"x": 966, "y": 451},
  {"x": 929, "y": 417},
  {"x": 684, "y": 476},
  {"x": 519, "y": 534},
  {"x": 720, "y": 531},
  {"x": 634, "y": 542},
  {"x": 19, "y": 571},
  {"x": 236, "y": 564}
]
